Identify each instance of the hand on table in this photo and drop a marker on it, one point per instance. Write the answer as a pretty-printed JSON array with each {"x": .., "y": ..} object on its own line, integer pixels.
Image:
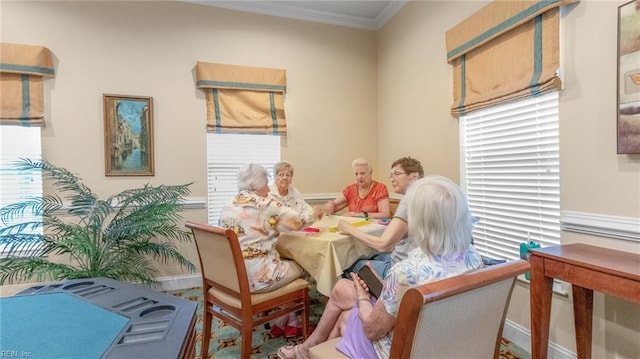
[
  {"x": 344, "y": 226},
  {"x": 329, "y": 207}
]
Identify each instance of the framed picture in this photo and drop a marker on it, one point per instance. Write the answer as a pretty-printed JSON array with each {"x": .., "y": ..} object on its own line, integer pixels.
[
  {"x": 629, "y": 77},
  {"x": 128, "y": 135}
]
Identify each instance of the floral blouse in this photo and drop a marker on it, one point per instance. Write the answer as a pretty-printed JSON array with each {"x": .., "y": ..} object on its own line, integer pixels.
[
  {"x": 418, "y": 269},
  {"x": 293, "y": 199},
  {"x": 258, "y": 221}
]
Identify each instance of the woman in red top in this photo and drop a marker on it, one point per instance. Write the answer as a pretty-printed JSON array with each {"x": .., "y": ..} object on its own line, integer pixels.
[{"x": 366, "y": 198}]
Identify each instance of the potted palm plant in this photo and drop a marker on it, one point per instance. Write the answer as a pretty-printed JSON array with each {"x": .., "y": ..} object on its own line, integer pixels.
[{"x": 117, "y": 237}]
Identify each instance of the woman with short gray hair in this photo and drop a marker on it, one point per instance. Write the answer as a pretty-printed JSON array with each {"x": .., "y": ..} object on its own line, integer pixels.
[
  {"x": 282, "y": 190},
  {"x": 440, "y": 223},
  {"x": 258, "y": 219},
  {"x": 365, "y": 198}
]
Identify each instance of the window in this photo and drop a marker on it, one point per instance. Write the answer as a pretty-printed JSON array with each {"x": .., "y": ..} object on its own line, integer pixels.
[
  {"x": 510, "y": 170},
  {"x": 19, "y": 142},
  {"x": 226, "y": 153}
]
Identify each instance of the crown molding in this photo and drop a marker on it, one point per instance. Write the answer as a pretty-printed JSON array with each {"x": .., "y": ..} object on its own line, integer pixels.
[{"x": 287, "y": 10}]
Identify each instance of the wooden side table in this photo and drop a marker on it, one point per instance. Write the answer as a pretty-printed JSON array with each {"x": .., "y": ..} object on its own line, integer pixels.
[{"x": 587, "y": 268}]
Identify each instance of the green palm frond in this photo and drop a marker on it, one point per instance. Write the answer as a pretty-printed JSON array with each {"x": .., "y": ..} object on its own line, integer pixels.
[
  {"x": 116, "y": 238},
  {"x": 38, "y": 206},
  {"x": 15, "y": 269},
  {"x": 63, "y": 179},
  {"x": 15, "y": 244}
]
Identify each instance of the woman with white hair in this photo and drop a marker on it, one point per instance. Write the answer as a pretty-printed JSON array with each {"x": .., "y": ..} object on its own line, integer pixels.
[
  {"x": 365, "y": 198},
  {"x": 283, "y": 191},
  {"x": 440, "y": 223},
  {"x": 258, "y": 219}
]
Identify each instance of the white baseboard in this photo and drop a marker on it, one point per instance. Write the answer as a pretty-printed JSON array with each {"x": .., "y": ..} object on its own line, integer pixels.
[
  {"x": 521, "y": 337},
  {"x": 180, "y": 282}
]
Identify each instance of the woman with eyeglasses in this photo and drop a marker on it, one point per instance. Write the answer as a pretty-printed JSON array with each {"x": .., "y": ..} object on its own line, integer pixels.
[
  {"x": 282, "y": 190},
  {"x": 392, "y": 244},
  {"x": 440, "y": 224},
  {"x": 365, "y": 198}
]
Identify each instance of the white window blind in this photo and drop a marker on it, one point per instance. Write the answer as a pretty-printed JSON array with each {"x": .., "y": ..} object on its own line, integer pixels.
[
  {"x": 510, "y": 170},
  {"x": 226, "y": 153},
  {"x": 18, "y": 142}
]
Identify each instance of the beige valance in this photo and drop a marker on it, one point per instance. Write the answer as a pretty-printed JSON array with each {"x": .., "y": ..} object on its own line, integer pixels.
[
  {"x": 507, "y": 50},
  {"x": 22, "y": 68},
  {"x": 242, "y": 99}
]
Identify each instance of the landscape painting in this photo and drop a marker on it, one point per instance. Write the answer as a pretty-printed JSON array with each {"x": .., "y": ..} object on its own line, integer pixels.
[{"x": 128, "y": 135}]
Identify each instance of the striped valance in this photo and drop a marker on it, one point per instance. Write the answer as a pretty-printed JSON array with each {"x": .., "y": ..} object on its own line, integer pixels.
[
  {"x": 507, "y": 50},
  {"x": 22, "y": 68},
  {"x": 242, "y": 99}
]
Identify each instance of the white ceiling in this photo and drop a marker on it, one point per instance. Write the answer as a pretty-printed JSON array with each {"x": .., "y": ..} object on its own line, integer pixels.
[{"x": 360, "y": 14}]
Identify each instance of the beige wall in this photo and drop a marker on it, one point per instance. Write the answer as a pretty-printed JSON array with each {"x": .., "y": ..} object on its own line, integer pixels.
[
  {"x": 414, "y": 99},
  {"x": 151, "y": 48},
  {"x": 351, "y": 93},
  {"x": 415, "y": 87}
]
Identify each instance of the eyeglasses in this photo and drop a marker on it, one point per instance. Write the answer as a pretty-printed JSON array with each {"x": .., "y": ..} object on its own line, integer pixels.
[
  {"x": 284, "y": 175},
  {"x": 396, "y": 174}
]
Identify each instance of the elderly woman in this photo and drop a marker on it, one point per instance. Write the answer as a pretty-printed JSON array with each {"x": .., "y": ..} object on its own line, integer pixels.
[
  {"x": 392, "y": 244},
  {"x": 258, "y": 219},
  {"x": 440, "y": 223},
  {"x": 283, "y": 191},
  {"x": 366, "y": 198}
]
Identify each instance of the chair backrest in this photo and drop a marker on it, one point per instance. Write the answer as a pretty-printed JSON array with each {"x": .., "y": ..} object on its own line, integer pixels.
[
  {"x": 457, "y": 317},
  {"x": 220, "y": 256}
]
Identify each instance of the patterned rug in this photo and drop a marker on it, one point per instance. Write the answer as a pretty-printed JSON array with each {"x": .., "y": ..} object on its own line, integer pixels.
[{"x": 225, "y": 340}]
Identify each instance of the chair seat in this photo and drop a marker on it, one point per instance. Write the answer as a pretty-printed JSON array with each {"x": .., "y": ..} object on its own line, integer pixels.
[
  {"x": 327, "y": 350},
  {"x": 297, "y": 284}
]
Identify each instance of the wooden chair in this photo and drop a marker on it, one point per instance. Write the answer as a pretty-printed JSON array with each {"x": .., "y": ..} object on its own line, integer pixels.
[
  {"x": 457, "y": 317},
  {"x": 226, "y": 289}
]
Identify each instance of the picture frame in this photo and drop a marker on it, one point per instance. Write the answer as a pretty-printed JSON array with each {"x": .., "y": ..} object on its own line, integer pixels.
[
  {"x": 128, "y": 135},
  {"x": 628, "y": 81}
]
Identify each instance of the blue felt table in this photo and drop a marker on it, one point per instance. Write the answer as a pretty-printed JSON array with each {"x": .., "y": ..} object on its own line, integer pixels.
[{"x": 56, "y": 326}]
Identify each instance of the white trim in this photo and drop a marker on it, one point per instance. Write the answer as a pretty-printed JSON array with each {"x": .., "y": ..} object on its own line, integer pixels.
[
  {"x": 195, "y": 203},
  {"x": 626, "y": 228},
  {"x": 318, "y": 197},
  {"x": 388, "y": 12},
  {"x": 189, "y": 203},
  {"x": 300, "y": 12},
  {"x": 521, "y": 337},
  {"x": 180, "y": 282}
]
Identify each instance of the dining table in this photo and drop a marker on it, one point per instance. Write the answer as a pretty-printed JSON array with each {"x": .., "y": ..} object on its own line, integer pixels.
[{"x": 325, "y": 252}]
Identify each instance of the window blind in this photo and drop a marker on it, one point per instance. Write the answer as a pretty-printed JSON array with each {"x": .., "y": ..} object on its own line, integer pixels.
[
  {"x": 511, "y": 172},
  {"x": 226, "y": 153},
  {"x": 19, "y": 142}
]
